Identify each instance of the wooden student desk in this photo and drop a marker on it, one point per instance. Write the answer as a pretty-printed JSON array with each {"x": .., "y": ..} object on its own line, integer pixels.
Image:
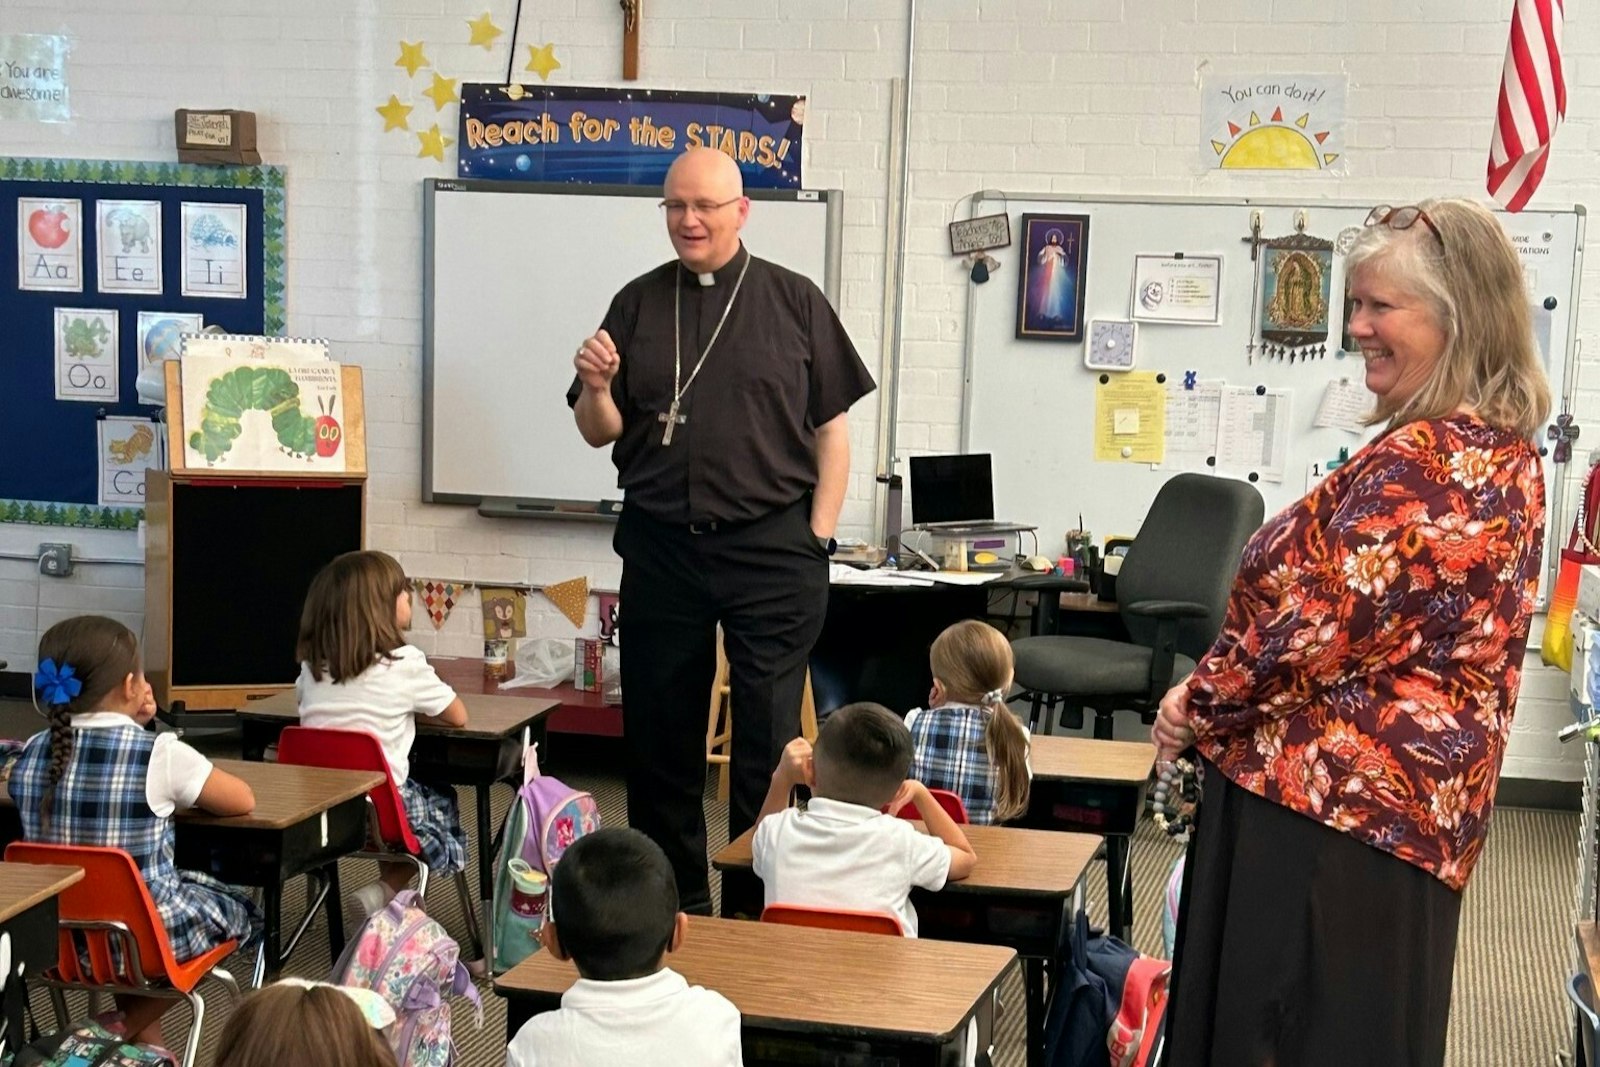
[
  {"x": 485, "y": 751},
  {"x": 305, "y": 819},
  {"x": 817, "y": 996},
  {"x": 28, "y": 914},
  {"x": 1093, "y": 786},
  {"x": 1019, "y": 896}
]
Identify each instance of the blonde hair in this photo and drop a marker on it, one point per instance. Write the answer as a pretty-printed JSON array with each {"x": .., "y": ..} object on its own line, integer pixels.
[
  {"x": 972, "y": 660},
  {"x": 301, "y": 1024},
  {"x": 1470, "y": 276},
  {"x": 348, "y": 622}
]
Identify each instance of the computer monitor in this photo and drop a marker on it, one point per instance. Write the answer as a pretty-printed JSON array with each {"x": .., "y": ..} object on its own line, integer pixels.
[{"x": 946, "y": 489}]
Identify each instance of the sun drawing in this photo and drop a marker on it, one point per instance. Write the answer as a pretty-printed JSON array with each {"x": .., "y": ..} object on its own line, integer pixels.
[{"x": 1274, "y": 145}]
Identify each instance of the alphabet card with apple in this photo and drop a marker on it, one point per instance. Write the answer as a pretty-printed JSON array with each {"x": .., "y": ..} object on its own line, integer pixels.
[{"x": 50, "y": 244}]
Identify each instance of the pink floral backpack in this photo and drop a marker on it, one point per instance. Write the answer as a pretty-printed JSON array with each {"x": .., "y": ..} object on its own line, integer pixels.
[
  {"x": 546, "y": 817},
  {"x": 408, "y": 959}
]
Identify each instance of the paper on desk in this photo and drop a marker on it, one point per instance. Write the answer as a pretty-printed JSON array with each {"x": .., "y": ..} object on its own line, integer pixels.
[
  {"x": 839, "y": 574},
  {"x": 1191, "y": 426},
  {"x": 963, "y": 577},
  {"x": 1253, "y": 432},
  {"x": 1129, "y": 418},
  {"x": 1345, "y": 406}
]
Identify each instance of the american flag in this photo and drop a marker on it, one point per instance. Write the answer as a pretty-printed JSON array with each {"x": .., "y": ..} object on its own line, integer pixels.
[{"x": 1533, "y": 101}]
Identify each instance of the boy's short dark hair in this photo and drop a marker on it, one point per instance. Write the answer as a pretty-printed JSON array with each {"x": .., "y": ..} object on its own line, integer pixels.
[
  {"x": 861, "y": 755},
  {"x": 614, "y": 902}
]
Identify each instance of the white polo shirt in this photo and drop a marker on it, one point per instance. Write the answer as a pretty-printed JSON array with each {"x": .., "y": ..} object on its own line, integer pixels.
[
  {"x": 384, "y": 699},
  {"x": 838, "y": 855},
  {"x": 660, "y": 1020}
]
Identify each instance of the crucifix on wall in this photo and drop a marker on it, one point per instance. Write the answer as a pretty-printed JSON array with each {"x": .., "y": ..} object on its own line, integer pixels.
[{"x": 631, "y": 12}]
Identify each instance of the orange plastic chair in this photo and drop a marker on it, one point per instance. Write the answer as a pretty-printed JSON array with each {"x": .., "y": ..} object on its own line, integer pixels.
[
  {"x": 862, "y": 922},
  {"x": 110, "y": 914},
  {"x": 360, "y": 750},
  {"x": 947, "y": 800}
]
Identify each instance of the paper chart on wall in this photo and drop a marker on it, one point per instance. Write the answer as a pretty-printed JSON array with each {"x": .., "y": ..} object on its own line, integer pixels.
[
  {"x": 249, "y": 415},
  {"x": 128, "y": 448},
  {"x": 128, "y": 236},
  {"x": 1192, "y": 416},
  {"x": 1253, "y": 432},
  {"x": 1129, "y": 418},
  {"x": 214, "y": 251},
  {"x": 1345, "y": 406},
  {"x": 86, "y": 355},
  {"x": 49, "y": 244}
]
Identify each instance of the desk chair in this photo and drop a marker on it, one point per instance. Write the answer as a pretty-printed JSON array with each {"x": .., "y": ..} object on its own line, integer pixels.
[
  {"x": 947, "y": 800},
  {"x": 110, "y": 916},
  {"x": 1172, "y": 593},
  {"x": 358, "y": 750},
  {"x": 719, "y": 723},
  {"x": 862, "y": 922}
]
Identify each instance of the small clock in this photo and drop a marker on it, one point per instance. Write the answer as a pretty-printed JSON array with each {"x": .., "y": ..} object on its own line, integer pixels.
[{"x": 1110, "y": 345}]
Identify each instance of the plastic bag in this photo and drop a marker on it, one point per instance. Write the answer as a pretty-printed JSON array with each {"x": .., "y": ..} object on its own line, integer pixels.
[
  {"x": 542, "y": 662},
  {"x": 611, "y": 675}
]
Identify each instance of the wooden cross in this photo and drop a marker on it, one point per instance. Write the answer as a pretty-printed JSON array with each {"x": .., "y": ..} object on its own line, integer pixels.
[{"x": 630, "y": 38}]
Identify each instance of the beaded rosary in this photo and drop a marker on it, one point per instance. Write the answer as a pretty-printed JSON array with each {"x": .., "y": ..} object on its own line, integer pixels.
[{"x": 1175, "y": 796}]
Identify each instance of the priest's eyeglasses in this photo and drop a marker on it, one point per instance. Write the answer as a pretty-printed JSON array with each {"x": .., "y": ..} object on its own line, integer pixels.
[
  {"x": 1402, "y": 218},
  {"x": 676, "y": 209}
]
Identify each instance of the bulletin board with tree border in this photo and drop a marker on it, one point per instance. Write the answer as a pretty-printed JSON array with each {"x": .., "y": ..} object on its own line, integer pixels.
[{"x": 50, "y": 475}]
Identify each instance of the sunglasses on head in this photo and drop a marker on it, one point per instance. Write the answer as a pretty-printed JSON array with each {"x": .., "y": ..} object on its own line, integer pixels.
[{"x": 1403, "y": 218}]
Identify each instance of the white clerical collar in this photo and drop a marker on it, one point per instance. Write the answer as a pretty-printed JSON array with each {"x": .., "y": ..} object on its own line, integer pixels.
[{"x": 707, "y": 278}]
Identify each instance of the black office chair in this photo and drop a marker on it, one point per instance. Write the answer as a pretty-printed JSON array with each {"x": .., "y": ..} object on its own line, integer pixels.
[{"x": 1172, "y": 592}]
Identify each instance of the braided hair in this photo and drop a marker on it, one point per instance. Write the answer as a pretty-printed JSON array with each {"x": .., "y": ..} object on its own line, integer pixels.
[{"x": 101, "y": 652}]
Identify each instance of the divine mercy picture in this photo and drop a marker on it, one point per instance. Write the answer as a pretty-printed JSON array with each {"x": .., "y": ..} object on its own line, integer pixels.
[{"x": 1051, "y": 282}]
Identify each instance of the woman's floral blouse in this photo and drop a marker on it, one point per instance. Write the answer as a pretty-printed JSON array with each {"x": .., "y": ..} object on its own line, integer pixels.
[{"x": 1368, "y": 665}]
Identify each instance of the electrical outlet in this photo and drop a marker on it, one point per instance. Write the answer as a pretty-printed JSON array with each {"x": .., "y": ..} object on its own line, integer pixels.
[{"x": 55, "y": 559}]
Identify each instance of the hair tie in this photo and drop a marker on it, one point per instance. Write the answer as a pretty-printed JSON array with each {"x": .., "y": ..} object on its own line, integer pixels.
[
  {"x": 994, "y": 696},
  {"x": 57, "y": 685}
]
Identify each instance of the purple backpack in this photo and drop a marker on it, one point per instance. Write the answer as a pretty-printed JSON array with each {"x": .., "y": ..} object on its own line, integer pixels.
[{"x": 545, "y": 819}]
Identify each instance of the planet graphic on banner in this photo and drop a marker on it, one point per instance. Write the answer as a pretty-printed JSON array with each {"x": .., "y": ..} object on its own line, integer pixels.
[
  {"x": 523, "y": 162},
  {"x": 162, "y": 342}
]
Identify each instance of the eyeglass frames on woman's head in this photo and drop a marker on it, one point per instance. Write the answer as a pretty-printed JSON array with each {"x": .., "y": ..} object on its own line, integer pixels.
[
  {"x": 676, "y": 208},
  {"x": 1402, "y": 218}
]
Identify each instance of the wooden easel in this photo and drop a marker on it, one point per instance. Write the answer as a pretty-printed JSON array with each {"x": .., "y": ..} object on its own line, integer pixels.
[{"x": 213, "y": 507}]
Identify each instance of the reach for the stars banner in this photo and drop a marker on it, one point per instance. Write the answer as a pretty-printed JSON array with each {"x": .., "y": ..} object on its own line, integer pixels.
[{"x": 623, "y": 136}]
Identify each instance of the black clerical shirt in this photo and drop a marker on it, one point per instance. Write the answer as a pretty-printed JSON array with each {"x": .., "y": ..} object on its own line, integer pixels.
[{"x": 781, "y": 367}]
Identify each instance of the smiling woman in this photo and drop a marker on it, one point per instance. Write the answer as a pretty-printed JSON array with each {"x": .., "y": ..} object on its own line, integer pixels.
[{"x": 1351, "y": 717}]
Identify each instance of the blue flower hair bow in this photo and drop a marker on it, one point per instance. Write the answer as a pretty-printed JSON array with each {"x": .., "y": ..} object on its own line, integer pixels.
[{"x": 57, "y": 685}]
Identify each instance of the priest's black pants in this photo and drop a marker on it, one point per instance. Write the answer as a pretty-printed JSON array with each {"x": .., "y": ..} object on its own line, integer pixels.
[{"x": 766, "y": 581}]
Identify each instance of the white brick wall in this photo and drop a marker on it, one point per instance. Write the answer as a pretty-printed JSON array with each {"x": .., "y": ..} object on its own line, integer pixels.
[{"x": 1029, "y": 95}]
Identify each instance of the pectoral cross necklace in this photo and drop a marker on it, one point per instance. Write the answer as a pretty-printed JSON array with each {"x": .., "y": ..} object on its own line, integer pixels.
[{"x": 670, "y": 418}]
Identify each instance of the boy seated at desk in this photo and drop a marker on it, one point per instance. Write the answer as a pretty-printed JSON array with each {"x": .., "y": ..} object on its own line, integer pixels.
[
  {"x": 614, "y": 912},
  {"x": 843, "y": 850}
]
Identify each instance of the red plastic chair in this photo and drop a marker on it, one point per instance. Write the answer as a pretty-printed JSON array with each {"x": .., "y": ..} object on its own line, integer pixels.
[
  {"x": 110, "y": 914},
  {"x": 360, "y": 750},
  {"x": 947, "y": 800},
  {"x": 861, "y": 922}
]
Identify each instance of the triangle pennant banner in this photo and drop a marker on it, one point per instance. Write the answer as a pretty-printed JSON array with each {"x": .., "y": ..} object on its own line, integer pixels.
[
  {"x": 571, "y": 597},
  {"x": 438, "y": 598}
]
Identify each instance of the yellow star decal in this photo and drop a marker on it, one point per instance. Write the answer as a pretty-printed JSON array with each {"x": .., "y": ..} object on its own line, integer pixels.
[
  {"x": 394, "y": 114},
  {"x": 484, "y": 31},
  {"x": 433, "y": 143},
  {"x": 441, "y": 92},
  {"x": 542, "y": 60},
  {"x": 411, "y": 58}
]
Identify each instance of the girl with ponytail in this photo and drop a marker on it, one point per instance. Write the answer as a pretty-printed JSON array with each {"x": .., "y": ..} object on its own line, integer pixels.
[
  {"x": 967, "y": 741},
  {"x": 98, "y": 777}
]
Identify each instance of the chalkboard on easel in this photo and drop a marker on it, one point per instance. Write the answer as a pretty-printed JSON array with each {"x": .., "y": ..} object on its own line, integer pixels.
[{"x": 55, "y": 481}]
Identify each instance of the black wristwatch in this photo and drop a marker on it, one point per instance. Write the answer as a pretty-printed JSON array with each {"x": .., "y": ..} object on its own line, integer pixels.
[{"x": 829, "y": 545}]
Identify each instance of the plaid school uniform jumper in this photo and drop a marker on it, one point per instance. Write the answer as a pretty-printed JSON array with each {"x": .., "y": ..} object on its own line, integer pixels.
[
  {"x": 435, "y": 818},
  {"x": 949, "y": 753},
  {"x": 101, "y": 801}
]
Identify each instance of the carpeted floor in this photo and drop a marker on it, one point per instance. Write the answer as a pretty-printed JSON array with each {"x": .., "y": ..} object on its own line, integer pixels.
[{"x": 1508, "y": 1009}]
